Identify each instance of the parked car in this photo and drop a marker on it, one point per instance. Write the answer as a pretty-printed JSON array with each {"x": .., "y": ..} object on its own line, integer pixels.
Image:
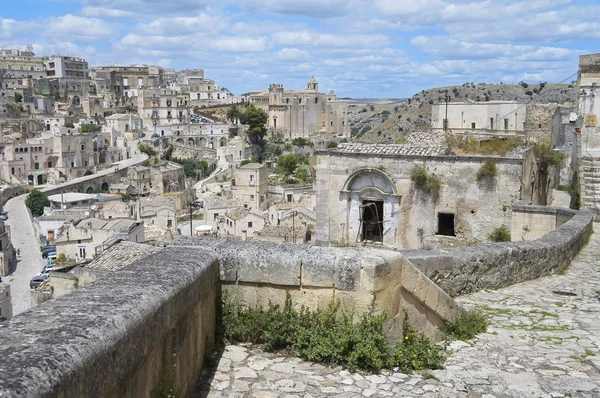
[
  {"x": 47, "y": 250},
  {"x": 198, "y": 204},
  {"x": 52, "y": 256},
  {"x": 3, "y": 215},
  {"x": 48, "y": 268},
  {"x": 38, "y": 280}
]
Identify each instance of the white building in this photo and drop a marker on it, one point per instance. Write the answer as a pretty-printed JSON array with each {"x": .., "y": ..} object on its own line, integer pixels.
[
  {"x": 63, "y": 66},
  {"x": 505, "y": 117}
]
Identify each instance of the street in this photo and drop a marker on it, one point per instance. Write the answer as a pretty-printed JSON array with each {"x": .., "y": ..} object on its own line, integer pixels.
[
  {"x": 185, "y": 227},
  {"x": 30, "y": 262}
]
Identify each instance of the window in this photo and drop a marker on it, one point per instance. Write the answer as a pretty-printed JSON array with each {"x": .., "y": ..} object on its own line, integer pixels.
[
  {"x": 472, "y": 125},
  {"x": 290, "y": 197},
  {"x": 446, "y": 224},
  {"x": 491, "y": 123},
  {"x": 169, "y": 223},
  {"x": 316, "y": 100},
  {"x": 83, "y": 147},
  {"x": 49, "y": 164},
  {"x": 245, "y": 206},
  {"x": 215, "y": 216},
  {"x": 82, "y": 252},
  {"x": 37, "y": 166},
  {"x": 540, "y": 125},
  {"x": 251, "y": 197},
  {"x": 72, "y": 164},
  {"x": 249, "y": 224},
  {"x": 505, "y": 124},
  {"x": 12, "y": 170}
]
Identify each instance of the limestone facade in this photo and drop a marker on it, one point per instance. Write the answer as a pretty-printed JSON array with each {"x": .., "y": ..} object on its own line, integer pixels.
[
  {"x": 250, "y": 185},
  {"x": 295, "y": 114},
  {"x": 373, "y": 183}
]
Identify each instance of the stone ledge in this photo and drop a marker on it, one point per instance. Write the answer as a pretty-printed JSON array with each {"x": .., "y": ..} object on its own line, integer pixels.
[{"x": 92, "y": 341}]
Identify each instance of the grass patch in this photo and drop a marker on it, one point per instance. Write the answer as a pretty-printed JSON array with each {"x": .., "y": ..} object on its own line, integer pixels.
[
  {"x": 495, "y": 146},
  {"x": 500, "y": 234},
  {"x": 333, "y": 335},
  {"x": 468, "y": 325}
]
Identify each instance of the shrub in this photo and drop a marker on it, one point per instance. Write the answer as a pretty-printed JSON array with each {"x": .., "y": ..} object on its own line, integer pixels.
[
  {"x": 302, "y": 142},
  {"x": 89, "y": 128},
  {"x": 328, "y": 335},
  {"x": 36, "y": 201},
  {"x": 428, "y": 183},
  {"x": 147, "y": 149},
  {"x": 332, "y": 144},
  {"x": 467, "y": 325},
  {"x": 69, "y": 125},
  {"x": 500, "y": 234},
  {"x": 191, "y": 167},
  {"x": 372, "y": 107},
  {"x": 528, "y": 93},
  {"x": 416, "y": 352},
  {"x": 487, "y": 170}
]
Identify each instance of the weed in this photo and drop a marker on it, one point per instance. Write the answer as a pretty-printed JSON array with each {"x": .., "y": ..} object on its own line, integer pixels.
[
  {"x": 500, "y": 234},
  {"x": 429, "y": 376},
  {"x": 429, "y": 183},
  {"x": 468, "y": 324},
  {"x": 487, "y": 170},
  {"x": 331, "y": 335}
]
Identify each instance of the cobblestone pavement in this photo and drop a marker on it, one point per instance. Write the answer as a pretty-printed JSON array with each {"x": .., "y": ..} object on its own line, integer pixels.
[{"x": 543, "y": 342}]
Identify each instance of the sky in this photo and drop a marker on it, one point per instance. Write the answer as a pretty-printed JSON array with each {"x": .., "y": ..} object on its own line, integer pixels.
[{"x": 359, "y": 48}]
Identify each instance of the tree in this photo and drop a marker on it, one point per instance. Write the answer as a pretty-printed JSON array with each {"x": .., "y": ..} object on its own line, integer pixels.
[
  {"x": 545, "y": 156},
  {"x": 256, "y": 119},
  {"x": 286, "y": 164},
  {"x": 36, "y": 201},
  {"x": 18, "y": 97},
  {"x": 234, "y": 114}
]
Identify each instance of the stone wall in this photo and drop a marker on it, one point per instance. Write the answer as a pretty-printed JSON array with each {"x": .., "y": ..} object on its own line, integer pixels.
[
  {"x": 260, "y": 273},
  {"x": 410, "y": 215},
  {"x": 134, "y": 333},
  {"x": 494, "y": 265}
]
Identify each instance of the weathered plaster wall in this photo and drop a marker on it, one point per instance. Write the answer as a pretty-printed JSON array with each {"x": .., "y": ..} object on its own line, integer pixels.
[
  {"x": 411, "y": 216},
  {"x": 128, "y": 334},
  {"x": 494, "y": 265}
]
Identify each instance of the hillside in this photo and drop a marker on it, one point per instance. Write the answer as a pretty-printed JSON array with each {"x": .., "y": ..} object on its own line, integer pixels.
[{"x": 396, "y": 121}]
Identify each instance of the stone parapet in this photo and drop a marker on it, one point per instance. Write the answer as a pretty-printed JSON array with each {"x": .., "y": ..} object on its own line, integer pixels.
[
  {"x": 128, "y": 334},
  {"x": 494, "y": 265}
]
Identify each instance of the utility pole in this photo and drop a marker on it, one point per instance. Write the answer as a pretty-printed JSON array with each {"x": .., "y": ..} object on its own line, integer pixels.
[
  {"x": 294, "y": 226},
  {"x": 447, "y": 98},
  {"x": 190, "y": 200}
]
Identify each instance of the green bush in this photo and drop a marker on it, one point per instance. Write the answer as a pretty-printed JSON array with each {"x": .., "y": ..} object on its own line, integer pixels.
[
  {"x": 468, "y": 325},
  {"x": 329, "y": 335},
  {"x": 302, "y": 142},
  {"x": 69, "y": 125},
  {"x": 147, "y": 149},
  {"x": 89, "y": 128},
  {"x": 191, "y": 167},
  {"x": 332, "y": 144},
  {"x": 429, "y": 183},
  {"x": 487, "y": 169},
  {"x": 36, "y": 201},
  {"x": 500, "y": 234}
]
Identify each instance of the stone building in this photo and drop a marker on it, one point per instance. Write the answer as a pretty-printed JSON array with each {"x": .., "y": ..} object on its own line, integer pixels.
[
  {"x": 131, "y": 125},
  {"x": 6, "y": 310},
  {"x": 295, "y": 114},
  {"x": 365, "y": 194},
  {"x": 157, "y": 179},
  {"x": 120, "y": 83},
  {"x": 497, "y": 118},
  {"x": 585, "y": 117},
  {"x": 16, "y": 60},
  {"x": 6, "y": 249},
  {"x": 250, "y": 185},
  {"x": 159, "y": 107},
  {"x": 81, "y": 239},
  {"x": 233, "y": 153},
  {"x": 241, "y": 224}
]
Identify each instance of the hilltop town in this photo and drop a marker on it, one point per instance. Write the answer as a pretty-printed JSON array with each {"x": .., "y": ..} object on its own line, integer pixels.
[{"x": 283, "y": 192}]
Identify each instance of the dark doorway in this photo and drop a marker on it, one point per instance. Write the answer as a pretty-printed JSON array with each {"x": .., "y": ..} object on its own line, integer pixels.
[
  {"x": 446, "y": 224},
  {"x": 104, "y": 186},
  {"x": 372, "y": 220},
  {"x": 40, "y": 180}
]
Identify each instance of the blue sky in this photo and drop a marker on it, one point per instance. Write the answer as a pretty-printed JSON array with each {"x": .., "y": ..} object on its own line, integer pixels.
[{"x": 375, "y": 48}]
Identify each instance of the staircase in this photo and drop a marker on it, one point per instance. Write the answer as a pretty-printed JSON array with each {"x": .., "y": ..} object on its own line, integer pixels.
[{"x": 589, "y": 185}]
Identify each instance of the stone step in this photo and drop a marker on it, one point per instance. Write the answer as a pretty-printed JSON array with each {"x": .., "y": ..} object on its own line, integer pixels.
[{"x": 591, "y": 179}]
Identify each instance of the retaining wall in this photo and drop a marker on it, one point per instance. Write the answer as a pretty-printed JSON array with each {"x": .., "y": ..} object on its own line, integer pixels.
[
  {"x": 495, "y": 265},
  {"x": 260, "y": 273}
]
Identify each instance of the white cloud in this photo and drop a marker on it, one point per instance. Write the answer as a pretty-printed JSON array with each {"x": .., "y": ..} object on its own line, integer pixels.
[
  {"x": 81, "y": 28},
  {"x": 311, "y": 8},
  {"x": 326, "y": 40}
]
